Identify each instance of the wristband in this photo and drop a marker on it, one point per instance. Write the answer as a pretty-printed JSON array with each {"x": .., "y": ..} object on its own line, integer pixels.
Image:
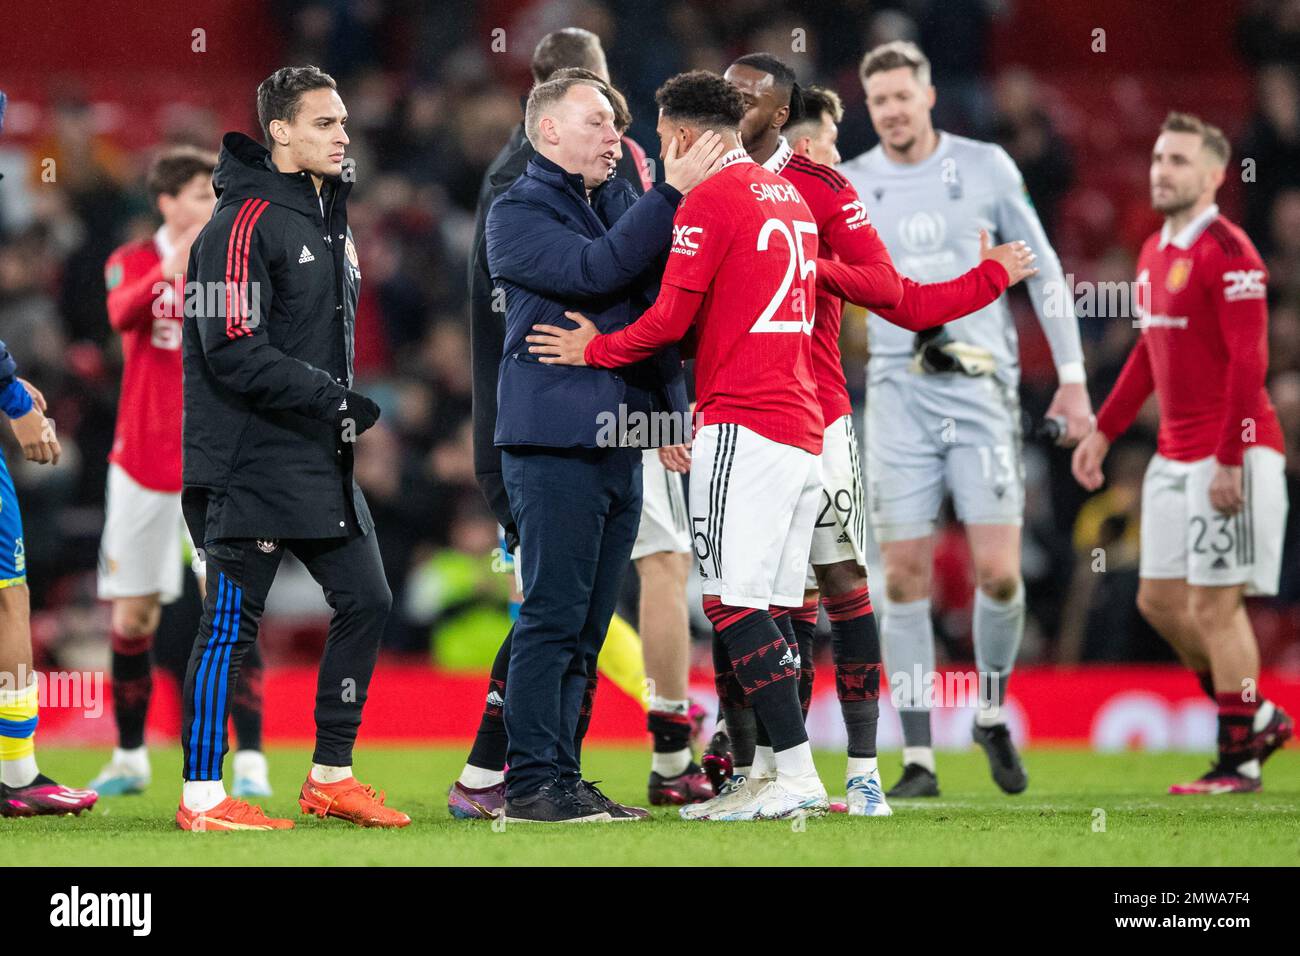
[
  {"x": 1070, "y": 373},
  {"x": 14, "y": 400}
]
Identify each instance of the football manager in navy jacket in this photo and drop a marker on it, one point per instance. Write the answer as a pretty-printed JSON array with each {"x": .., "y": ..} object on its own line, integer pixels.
[{"x": 569, "y": 236}]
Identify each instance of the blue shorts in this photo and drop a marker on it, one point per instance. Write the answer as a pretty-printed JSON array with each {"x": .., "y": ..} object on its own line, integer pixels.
[{"x": 13, "y": 557}]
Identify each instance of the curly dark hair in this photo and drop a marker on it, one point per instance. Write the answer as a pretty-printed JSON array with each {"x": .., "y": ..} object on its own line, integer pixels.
[{"x": 702, "y": 99}]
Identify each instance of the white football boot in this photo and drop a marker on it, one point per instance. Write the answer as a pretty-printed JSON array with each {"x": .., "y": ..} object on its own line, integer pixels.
[
  {"x": 866, "y": 797},
  {"x": 776, "y": 802},
  {"x": 736, "y": 792}
]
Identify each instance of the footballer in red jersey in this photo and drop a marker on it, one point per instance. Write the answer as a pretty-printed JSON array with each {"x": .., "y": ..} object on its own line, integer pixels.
[
  {"x": 1214, "y": 499},
  {"x": 740, "y": 281},
  {"x": 141, "y": 559},
  {"x": 838, "y": 573}
]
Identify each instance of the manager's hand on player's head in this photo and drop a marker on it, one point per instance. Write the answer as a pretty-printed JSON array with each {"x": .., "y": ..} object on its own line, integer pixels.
[
  {"x": 686, "y": 172},
  {"x": 1016, "y": 257},
  {"x": 558, "y": 346}
]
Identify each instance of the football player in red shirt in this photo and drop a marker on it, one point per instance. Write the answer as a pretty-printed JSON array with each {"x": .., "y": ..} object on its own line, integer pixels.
[
  {"x": 1214, "y": 499},
  {"x": 142, "y": 549},
  {"x": 838, "y": 577},
  {"x": 740, "y": 281}
]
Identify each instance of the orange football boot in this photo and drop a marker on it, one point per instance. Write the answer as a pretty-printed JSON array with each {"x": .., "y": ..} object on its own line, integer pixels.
[
  {"x": 349, "y": 800},
  {"x": 229, "y": 814}
]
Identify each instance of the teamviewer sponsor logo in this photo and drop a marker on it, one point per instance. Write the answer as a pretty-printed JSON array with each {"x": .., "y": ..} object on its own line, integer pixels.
[
  {"x": 856, "y": 214},
  {"x": 77, "y": 909}
]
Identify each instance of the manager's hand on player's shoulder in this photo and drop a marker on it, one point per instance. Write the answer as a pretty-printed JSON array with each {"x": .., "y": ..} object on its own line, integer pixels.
[
  {"x": 1086, "y": 463},
  {"x": 1016, "y": 257},
  {"x": 35, "y": 433},
  {"x": 558, "y": 346},
  {"x": 684, "y": 173},
  {"x": 1225, "y": 489}
]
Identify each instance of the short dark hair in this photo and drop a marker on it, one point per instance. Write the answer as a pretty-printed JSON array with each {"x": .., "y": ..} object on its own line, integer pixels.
[
  {"x": 172, "y": 170},
  {"x": 571, "y": 46},
  {"x": 818, "y": 101},
  {"x": 1212, "y": 138},
  {"x": 279, "y": 95},
  {"x": 783, "y": 77},
  {"x": 622, "y": 115},
  {"x": 702, "y": 99}
]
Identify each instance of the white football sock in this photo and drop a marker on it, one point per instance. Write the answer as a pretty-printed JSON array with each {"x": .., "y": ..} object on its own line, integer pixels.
[
  {"x": 20, "y": 772},
  {"x": 745, "y": 772},
  {"x": 250, "y": 763},
  {"x": 323, "y": 774},
  {"x": 1263, "y": 714},
  {"x": 135, "y": 759},
  {"x": 859, "y": 767},
  {"x": 764, "y": 763},
  {"x": 476, "y": 778},
  {"x": 666, "y": 705},
  {"x": 671, "y": 764},
  {"x": 919, "y": 755},
  {"x": 202, "y": 795},
  {"x": 796, "y": 771}
]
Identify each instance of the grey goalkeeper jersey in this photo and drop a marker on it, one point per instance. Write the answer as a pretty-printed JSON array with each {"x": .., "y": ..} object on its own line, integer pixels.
[{"x": 929, "y": 216}]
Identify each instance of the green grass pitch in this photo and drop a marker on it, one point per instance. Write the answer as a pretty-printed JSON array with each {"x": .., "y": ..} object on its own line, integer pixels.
[{"x": 1081, "y": 809}]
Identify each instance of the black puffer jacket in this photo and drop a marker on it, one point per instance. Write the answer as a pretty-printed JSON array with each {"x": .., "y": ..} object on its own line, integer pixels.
[{"x": 264, "y": 384}]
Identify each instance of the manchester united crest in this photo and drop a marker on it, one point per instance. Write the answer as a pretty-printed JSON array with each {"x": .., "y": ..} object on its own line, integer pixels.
[{"x": 1178, "y": 274}]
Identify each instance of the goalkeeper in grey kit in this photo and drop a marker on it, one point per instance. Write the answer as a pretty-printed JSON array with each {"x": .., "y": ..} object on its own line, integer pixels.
[{"x": 943, "y": 409}]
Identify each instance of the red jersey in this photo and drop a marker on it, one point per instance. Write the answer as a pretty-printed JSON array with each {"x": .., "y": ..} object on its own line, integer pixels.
[
  {"x": 147, "y": 440},
  {"x": 843, "y": 232},
  {"x": 742, "y": 269},
  {"x": 1204, "y": 345}
]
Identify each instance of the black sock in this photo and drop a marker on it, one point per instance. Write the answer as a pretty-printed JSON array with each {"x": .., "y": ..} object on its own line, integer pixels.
[
  {"x": 491, "y": 743},
  {"x": 246, "y": 703},
  {"x": 132, "y": 676},
  {"x": 671, "y": 732},
  {"x": 584, "y": 717},
  {"x": 735, "y": 708},
  {"x": 804, "y": 620},
  {"x": 855, "y": 647},
  {"x": 1206, "y": 680},
  {"x": 1236, "y": 721},
  {"x": 764, "y": 664}
]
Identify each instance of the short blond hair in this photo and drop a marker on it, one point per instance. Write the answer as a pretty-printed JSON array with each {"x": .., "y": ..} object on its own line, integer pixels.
[
  {"x": 895, "y": 55},
  {"x": 1212, "y": 139},
  {"x": 543, "y": 96}
]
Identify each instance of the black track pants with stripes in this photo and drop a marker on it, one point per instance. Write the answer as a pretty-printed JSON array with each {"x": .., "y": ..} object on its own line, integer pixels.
[{"x": 239, "y": 576}]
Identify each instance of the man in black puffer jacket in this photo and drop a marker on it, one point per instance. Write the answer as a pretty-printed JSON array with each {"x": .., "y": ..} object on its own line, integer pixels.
[{"x": 270, "y": 422}]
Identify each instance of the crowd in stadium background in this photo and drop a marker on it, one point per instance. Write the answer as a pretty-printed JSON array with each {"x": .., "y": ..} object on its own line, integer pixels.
[{"x": 433, "y": 91}]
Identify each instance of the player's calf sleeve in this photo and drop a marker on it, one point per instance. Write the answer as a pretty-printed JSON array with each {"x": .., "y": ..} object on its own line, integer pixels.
[
  {"x": 132, "y": 674},
  {"x": 669, "y": 724},
  {"x": 766, "y": 669},
  {"x": 855, "y": 648},
  {"x": 584, "y": 715},
  {"x": 804, "y": 621},
  {"x": 998, "y": 629},
  {"x": 907, "y": 642},
  {"x": 491, "y": 743},
  {"x": 246, "y": 703},
  {"x": 732, "y": 702},
  {"x": 18, "y": 719}
]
